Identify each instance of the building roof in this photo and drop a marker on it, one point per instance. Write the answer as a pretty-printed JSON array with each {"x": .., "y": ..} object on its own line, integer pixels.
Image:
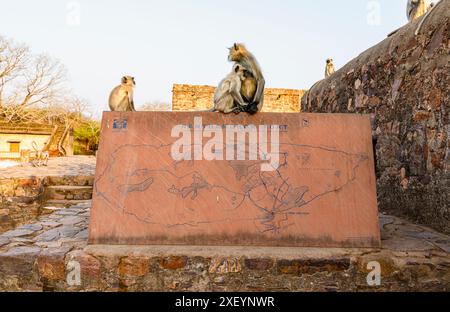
[{"x": 25, "y": 128}]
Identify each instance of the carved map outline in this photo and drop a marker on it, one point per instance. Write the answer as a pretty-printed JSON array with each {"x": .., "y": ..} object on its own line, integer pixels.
[
  {"x": 199, "y": 183},
  {"x": 214, "y": 200}
]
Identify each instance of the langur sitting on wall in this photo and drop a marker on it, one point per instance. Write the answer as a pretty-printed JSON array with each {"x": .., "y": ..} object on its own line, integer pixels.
[
  {"x": 329, "y": 68},
  {"x": 416, "y": 8},
  {"x": 121, "y": 98}
]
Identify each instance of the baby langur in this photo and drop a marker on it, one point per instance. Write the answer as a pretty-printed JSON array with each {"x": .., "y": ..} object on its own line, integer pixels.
[
  {"x": 228, "y": 98},
  {"x": 329, "y": 68},
  {"x": 121, "y": 98}
]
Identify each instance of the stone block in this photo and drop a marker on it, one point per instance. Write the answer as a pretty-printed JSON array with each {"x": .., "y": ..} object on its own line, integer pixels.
[
  {"x": 51, "y": 264},
  {"x": 133, "y": 267},
  {"x": 19, "y": 260},
  {"x": 173, "y": 263},
  {"x": 317, "y": 188}
]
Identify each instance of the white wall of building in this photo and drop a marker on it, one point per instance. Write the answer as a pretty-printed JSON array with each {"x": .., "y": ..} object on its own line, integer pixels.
[{"x": 25, "y": 140}]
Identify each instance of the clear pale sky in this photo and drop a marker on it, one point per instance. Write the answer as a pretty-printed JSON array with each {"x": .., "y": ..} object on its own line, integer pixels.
[{"x": 184, "y": 41}]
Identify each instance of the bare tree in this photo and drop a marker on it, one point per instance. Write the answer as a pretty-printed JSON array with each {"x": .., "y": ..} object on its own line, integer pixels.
[
  {"x": 32, "y": 91},
  {"x": 42, "y": 82},
  {"x": 156, "y": 106},
  {"x": 13, "y": 59},
  {"x": 27, "y": 82}
]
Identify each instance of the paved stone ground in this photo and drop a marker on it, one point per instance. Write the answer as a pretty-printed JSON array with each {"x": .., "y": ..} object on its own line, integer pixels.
[
  {"x": 26, "y": 190},
  {"x": 57, "y": 167},
  {"x": 35, "y": 257},
  {"x": 67, "y": 228}
]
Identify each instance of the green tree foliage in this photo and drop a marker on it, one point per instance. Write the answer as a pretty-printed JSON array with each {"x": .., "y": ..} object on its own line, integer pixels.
[{"x": 87, "y": 135}]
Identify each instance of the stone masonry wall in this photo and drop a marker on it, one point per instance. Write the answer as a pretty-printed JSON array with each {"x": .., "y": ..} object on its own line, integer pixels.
[
  {"x": 20, "y": 201},
  {"x": 194, "y": 98},
  {"x": 45, "y": 255},
  {"x": 403, "y": 83}
]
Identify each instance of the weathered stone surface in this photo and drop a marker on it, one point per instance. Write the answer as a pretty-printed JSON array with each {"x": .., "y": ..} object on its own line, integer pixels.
[
  {"x": 259, "y": 264},
  {"x": 66, "y": 212},
  {"x": 71, "y": 220},
  {"x": 312, "y": 266},
  {"x": 44, "y": 244},
  {"x": 403, "y": 83},
  {"x": 133, "y": 267},
  {"x": 51, "y": 264},
  {"x": 3, "y": 241},
  {"x": 68, "y": 231},
  {"x": 32, "y": 227},
  {"x": 48, "y": 236},
  {"x": 412, "y": 258},
  {"x": 21, "y": 240},
  {"x": 225, "y": 265},
  {"x": 68, "y": 192},
  {"x": 19, "y": 201},
  {"x": 312, "y": 199},
  {"x": 65, "y": 231},
  {"x": 50, "y": 224},
  {"x": 18, "y": 233},
  {"x": 82, "y": 235},
  {"x": 19, "y": 260},
  {"x": 22, "y": 188},
  {"x": 60, "y": 171},
  {"x": 90, "y": 269},
  {"x": 173, "y": 263}
]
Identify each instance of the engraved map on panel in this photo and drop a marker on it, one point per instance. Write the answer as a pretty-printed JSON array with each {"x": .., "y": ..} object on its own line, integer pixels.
[{"x": 196, "y": 195}]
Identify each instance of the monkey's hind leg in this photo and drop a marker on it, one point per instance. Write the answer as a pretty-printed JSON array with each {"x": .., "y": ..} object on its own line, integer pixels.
[{"x": 235, "y": 110}]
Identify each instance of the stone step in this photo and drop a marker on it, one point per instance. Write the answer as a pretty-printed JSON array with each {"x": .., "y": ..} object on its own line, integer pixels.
[
  {"x": 78, "y": 180},
  {"x": 56, "y": 204},
  {"x": 68, "y": 192}
]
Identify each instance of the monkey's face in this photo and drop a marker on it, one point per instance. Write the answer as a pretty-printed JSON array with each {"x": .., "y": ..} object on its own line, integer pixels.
[
  {"x": 239, "y": 71},
  {"x": 236, "y": 52},
  {"x": 128, "y": 80},
  {"x": 329, "y": 61}
]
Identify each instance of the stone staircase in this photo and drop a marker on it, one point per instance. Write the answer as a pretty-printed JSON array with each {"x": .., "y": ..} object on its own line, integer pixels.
[{"x": 64, "y": 192}]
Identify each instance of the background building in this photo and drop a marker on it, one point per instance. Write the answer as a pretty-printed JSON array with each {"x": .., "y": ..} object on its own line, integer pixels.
[
  {"x": 16, "y": 140},
  {"x": 195, "y": 98}
]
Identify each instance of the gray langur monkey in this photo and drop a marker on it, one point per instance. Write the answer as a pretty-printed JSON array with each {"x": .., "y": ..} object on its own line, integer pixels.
[
  {"x": 416, "y": 8},
  {"x": 227, "y": 97},
  {"x": 431, "y": 8},
  {"x": 121, "y": 97},
  {"x": 329, "y": 68},
  {"x": 254, "y": 83}
]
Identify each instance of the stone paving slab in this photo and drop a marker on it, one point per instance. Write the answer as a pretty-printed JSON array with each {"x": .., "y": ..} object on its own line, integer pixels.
[
  {"x": 57, "y": 167},
  {"x": 37, "y": 256}
]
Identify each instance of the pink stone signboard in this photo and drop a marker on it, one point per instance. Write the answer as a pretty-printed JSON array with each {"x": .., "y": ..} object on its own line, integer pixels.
[{"x": 209, "y": 179}]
